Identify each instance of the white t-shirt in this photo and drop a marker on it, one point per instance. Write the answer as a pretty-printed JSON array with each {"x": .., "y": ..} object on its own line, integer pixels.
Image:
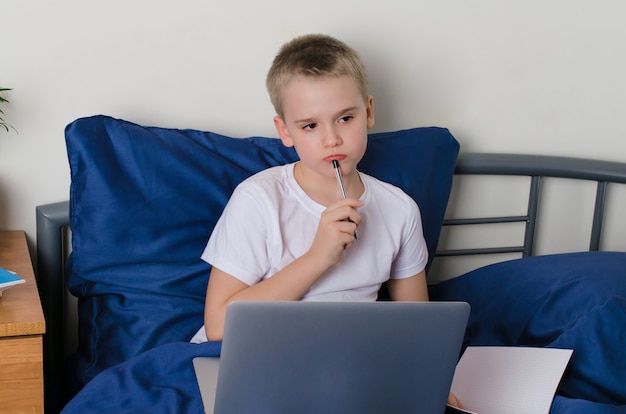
[{"x": 270, "y": 221}]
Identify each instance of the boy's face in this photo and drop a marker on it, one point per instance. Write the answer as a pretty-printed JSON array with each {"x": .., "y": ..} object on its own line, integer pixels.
[{"x": 325, "y": 119}]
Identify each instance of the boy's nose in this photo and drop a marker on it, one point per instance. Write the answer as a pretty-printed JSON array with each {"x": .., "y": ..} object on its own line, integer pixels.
[{"x": 332, "y": 138}]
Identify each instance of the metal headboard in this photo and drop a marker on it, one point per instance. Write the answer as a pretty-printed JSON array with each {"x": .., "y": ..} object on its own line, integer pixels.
[
  {"x": 536, "y": 167},
  {"x": 53, "y": 221}
]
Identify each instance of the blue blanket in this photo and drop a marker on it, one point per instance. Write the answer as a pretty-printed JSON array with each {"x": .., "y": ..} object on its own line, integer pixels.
[
  {"x": 161, "y": 380},
  {"x": 575, "y": 301}
]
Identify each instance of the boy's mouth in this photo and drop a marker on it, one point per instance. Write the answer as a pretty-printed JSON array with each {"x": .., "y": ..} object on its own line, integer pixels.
[{"x": 338, "y": 157}]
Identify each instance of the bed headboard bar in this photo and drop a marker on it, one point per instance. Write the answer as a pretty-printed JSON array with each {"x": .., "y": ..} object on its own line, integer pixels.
[
  {"x": 541, "y": 165},
  {"x": 536, "y": 167},
  {"x": 529, "y": 233},
  {"x": 52, "y": 224}
]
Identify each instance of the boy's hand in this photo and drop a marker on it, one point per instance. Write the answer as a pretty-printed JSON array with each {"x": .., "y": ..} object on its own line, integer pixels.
[
  {"x": 453, "y": 401},
  {"x": 334, "y": 232}
]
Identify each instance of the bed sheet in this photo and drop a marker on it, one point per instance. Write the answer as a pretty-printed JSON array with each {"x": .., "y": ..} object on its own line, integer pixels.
[
  {"x": 162, "y": 380},
  {"x": 573, "y": 301}
]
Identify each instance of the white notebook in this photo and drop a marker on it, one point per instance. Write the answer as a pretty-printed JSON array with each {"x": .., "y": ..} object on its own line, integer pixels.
[
  {"x": 497, "y": 380},
  {"x": 8, "y": 279}
]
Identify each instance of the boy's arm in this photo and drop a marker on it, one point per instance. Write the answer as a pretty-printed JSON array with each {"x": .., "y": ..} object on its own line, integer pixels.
[
  {"x": 410, "y": 289},
  {"x": 291, "y": 283},
  {"x": 333, "y": 236}
]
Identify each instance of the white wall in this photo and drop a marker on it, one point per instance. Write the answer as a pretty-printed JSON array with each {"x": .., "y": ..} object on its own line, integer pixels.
[{"x": 504, "y": 76}]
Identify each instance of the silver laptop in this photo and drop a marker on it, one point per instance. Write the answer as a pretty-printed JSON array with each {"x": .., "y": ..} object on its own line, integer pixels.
[{"x": 334, "y": 357}]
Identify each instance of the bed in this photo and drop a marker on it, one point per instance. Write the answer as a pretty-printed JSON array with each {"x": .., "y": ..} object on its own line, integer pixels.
[{"x": 122, "y": 285}]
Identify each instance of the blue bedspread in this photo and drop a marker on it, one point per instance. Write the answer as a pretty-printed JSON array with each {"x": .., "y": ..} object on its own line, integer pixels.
[
  {"x": 573, "y": 301},
  {"x": 161, "y": 380}
]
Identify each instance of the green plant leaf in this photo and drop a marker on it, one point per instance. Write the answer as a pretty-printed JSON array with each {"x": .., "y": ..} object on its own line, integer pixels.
[{"x": 3, "y": 123}]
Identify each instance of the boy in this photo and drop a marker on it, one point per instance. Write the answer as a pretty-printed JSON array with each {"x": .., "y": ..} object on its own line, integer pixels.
[{"x": 287, "y": 233}]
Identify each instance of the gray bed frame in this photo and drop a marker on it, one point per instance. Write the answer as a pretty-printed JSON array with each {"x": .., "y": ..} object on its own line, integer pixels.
[{"x": 53, "y": 231}]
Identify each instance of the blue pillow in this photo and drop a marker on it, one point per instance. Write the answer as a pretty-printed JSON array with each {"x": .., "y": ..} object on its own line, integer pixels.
[
  {"x": 574, "y": 301},
  {"x": 144, "y": 200}
]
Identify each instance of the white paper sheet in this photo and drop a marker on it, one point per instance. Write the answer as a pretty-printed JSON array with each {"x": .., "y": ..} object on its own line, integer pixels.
[{"x": 509, "y": 380}]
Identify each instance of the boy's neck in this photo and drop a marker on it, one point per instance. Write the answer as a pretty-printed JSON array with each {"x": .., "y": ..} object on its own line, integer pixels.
[{"x": 325, "y": 190}]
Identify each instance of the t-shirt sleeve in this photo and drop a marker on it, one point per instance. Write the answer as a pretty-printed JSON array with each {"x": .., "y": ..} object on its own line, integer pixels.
[
  {"x": 413, "y": 254},
  {"x": 238, "y": 243}
]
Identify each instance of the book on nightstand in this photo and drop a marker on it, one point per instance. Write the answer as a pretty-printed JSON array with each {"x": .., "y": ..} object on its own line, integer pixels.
[{"x": 8, "y": 279}]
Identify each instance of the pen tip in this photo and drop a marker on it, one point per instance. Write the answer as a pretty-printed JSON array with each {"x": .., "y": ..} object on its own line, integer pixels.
[{"x": 335, "y": 163}]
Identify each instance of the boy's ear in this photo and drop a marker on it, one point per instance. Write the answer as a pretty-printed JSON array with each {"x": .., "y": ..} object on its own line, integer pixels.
[
  {"x": 370, "y": 111},
  {"x": 281, "y": 128}
]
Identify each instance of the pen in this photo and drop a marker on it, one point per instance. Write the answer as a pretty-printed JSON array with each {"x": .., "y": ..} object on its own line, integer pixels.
[{"x": 342, "y": 188}]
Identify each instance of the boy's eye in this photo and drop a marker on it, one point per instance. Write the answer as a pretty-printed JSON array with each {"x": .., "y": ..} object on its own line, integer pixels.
[
  {"x": 345, "y": 118},
  {"x": 310, "y": 126}
]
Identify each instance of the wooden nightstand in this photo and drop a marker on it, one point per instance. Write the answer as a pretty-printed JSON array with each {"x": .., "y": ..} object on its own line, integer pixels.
[{"x": 22, "y": 326}]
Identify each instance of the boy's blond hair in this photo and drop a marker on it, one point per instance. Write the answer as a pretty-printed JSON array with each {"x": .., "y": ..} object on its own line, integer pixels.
[{"x": 313, "y": 55}]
